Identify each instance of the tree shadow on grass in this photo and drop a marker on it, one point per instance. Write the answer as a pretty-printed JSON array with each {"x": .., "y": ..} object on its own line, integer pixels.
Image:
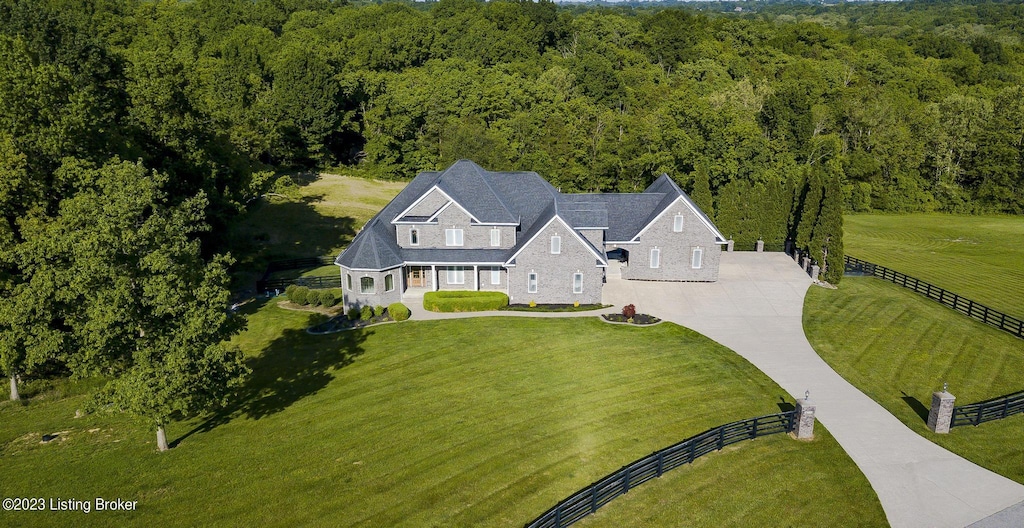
[
  {"x": 280, "y": 230},
  {"x": 916, "y": 405},
  {"x": 294, "y": 366}
]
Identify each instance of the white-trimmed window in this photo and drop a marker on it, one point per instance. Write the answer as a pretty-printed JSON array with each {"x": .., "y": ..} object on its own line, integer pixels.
[
  {"x": 414, "y": 237},
  {"x": 349, "y": 277},
  {"x": 456, "y": 275},
  {"x": 495, "y": 237},
  {"x": 677, "y": 224},
  {"x": 496, "y": 276},
  {"x": 556, "y": 244},
  {"x": 698, "y": 258},
  {"x": 453, "y": 237},
  {"x": 655, "y": 258},
  {"x": 531, "y": 283},
  {"x": 366, "y": 285},
  {"x": 577, "y": 283},
  {"x": 389, "y": 282}
]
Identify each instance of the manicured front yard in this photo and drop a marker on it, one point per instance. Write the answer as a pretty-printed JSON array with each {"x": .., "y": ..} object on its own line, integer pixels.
[
  {"x": 899, "y": 348},
  {"x": 474, "y": 422}
]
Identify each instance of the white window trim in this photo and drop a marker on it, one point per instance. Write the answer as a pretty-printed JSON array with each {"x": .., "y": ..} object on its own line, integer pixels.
[
  {"x": 697, "y": 258},
  {"x": 453, "y": 237},
  {"x": 531, "y": 282},
  {"x": 495, "y": 237},
  {"x": 414, "y": 237},
  {"x": 362, "y": 287},
  {"x": 574, "y": 282},
  {"x": 556, "y": 244},
  {"x": 655, "y": 258},
  {"x": 678, "y": 223},
  {"x": 456, "y": 275},
  {"x": 495, "y": 277},
  {"x": 392, "y": 277},
  {"x": 349, "y": 277}
]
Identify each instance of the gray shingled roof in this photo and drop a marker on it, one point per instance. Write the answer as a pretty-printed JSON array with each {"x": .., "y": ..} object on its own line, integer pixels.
[
  {"x": 455, "y": 256},
  {"x": 507, "y": 197},
  {"x": 469, "y": 185}
]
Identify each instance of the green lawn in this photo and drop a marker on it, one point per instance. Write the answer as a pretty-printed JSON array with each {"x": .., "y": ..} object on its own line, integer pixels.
[
  {"x": 775, "y": 466},
  {"x": 979, "y": 257},
  {"x": 321, "y": 220},
  {"x": 474, "y": 422},
  {"x": 899, "y": 347}
]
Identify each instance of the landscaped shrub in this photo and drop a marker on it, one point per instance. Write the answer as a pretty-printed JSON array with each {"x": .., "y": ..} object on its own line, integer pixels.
[
  {"x": 378, "y": 311},
  {"x": 628, "y": 311},
  {"x": 333, "y": 297},
  {"x": 366, "y": 313},
  {"x": 463, "y": 301},
  {"x": 399, "y": 311},
  {"x": 313, "y": 298},
  {"x": 354, "y": 313},
  {"x": 298, "y": 295}
]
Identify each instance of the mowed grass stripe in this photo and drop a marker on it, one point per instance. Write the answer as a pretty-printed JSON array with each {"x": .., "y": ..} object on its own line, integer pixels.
[
  {"x": 980, "y": 258},
  {"x": 484, "y": 422},
  {"x": 900, "y": 356}
]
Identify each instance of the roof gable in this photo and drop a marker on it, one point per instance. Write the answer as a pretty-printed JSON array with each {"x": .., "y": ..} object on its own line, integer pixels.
[
  {"x": 541, "y": 226},
  {"x": 674, "y": 194}
]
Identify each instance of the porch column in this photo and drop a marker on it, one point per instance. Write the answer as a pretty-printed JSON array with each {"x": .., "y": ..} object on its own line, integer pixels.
[
  {"x": 433, "y": 277},
  {"x": 476, "y": 278}
]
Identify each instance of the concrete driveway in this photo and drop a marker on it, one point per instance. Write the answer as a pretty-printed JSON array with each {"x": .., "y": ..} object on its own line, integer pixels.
[{"x": 755, "y": 309}]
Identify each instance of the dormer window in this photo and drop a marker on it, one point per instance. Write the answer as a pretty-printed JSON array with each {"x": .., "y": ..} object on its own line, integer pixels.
[
  {"x": 677, "y": 225},
  {"x": 414, "y": 237},
  {"x": 556, "y": 244}
]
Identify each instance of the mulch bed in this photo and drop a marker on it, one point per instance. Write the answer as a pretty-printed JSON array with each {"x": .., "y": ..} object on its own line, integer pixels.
[
  {"x": 553, "y": 307},
  {"x": 342, "y": 323},
  {"x": 638, "y": 319}
]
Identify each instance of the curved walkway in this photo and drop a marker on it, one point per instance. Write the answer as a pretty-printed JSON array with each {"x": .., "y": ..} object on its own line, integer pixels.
[{"x": 756, "y": 309}]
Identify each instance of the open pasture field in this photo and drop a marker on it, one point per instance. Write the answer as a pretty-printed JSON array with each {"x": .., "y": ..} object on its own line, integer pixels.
[
  {"x": 978, "y": 257},
  {"x": 899, "y": 347},
  {"x": 472, "y": 422},
  {"x": 319, "y": 217}
]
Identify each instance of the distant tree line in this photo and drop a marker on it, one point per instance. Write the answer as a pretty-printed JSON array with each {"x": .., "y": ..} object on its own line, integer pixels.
[{"x": 133, "y": 132}]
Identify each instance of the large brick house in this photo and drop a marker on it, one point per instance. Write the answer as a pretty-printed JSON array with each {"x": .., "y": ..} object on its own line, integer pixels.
[{"x": 467, "y": 228}]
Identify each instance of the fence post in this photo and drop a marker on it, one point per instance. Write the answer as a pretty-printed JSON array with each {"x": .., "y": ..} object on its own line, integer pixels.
[
  {"x": 940, "y": 416},
  {"x": 806, "y": 263},
  {"x": 759, "y": 246},
  {"x": 729, "y": 245},
  {"x": 815, "y": 270},
  {"x": 804, "y": 426}
]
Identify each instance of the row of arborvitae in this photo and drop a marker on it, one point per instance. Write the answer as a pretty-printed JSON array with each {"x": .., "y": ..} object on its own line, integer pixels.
[{"x": 304, "y": 296}]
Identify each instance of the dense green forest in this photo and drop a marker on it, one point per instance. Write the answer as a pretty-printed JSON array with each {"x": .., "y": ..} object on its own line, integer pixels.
[{"x": 133, "y": 132}]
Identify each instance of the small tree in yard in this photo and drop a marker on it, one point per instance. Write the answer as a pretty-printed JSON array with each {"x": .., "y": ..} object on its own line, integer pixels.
[
  {"x": 629, "y": 311},
  {"x": 28, "y": 336}
]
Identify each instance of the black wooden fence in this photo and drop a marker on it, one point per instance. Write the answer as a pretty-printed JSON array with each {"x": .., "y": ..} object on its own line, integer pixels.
[
  {"x": 266, "y": 284},
  {"x": 987, "y": 411},
  {"x": 963, "y": 305},
  {"x": 589, "y": 499}
]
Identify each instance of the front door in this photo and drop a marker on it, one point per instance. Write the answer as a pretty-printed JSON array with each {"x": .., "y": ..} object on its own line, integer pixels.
[{"x": 415, "y": 277}]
